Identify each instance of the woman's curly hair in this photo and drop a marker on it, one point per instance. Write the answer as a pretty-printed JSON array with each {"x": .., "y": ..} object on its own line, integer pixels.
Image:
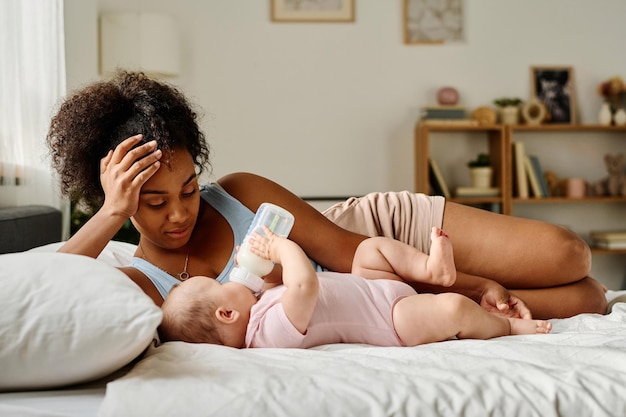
[{"x": 98, "y": 117}]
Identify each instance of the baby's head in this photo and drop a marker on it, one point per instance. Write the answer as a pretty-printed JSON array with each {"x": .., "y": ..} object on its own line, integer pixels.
[
  {"x": 188, "y": 315},
  {"x": 201, "y": 310}
]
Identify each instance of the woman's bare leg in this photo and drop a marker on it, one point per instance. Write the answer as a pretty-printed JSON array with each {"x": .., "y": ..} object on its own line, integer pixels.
[
  {"x": 546, "y": 264},
  {"x": 584, "y": 296},
  {"x": 427, "y": 318}
]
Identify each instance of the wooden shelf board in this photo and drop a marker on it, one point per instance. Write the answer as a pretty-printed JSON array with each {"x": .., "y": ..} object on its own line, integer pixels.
[
  {"x": 604, "y": 251},
  {"x": 476, "y": 200},
  {"x": 567, "y": 128},
  {"x": 561, "y": 200},
  {"x": 460, "y": 128}
]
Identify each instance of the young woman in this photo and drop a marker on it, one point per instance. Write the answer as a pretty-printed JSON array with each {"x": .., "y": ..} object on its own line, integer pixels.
[{"x": 131, "y": 148}]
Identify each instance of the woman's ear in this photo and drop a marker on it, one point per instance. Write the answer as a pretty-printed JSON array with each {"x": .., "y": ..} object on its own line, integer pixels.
[{"x": 226, "y": 315}]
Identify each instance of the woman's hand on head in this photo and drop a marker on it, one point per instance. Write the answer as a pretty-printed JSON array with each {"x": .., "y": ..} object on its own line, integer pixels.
[
  {"x": 124, "y": 171},
  {"x": 498, "y": 300}
]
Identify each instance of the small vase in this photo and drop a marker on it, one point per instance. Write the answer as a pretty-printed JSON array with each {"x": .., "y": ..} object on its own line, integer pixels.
[
  {"x": 481, "y": 177},
  {"x": 509, "y": 115},
  {"x": 619, "y": 118},
  {"x": 605, "y": 116}
]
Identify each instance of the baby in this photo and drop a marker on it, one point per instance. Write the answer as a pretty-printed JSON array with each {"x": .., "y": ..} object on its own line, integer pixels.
[{"x": 312, "y": 309}]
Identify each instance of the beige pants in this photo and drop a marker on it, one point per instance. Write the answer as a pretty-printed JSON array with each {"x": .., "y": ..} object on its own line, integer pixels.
[{"x": 404, "y": 216}]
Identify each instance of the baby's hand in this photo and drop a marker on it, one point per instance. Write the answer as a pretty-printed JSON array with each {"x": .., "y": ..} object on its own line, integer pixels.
[{"x": 262, "y": 245}]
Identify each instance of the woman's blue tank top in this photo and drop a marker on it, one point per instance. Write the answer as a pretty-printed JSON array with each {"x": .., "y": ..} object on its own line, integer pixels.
[{"x": 239, "y": 218}]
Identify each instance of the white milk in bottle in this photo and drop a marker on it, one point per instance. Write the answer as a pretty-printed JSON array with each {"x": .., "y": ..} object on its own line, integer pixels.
[{"x": 250, "y": 267}]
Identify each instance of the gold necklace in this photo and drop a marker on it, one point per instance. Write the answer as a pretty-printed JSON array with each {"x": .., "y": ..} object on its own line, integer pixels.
[{"x": 182, "y": 276}]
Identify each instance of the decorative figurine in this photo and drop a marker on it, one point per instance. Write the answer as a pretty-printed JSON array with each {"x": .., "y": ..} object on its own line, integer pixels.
[
  {"x": 605, "y": 115},
  {"x": 485, "y": 115},
  {"x": 619, "y": 118},
  {"x": 447, "y": 96},
  {"x": 615, "y": 183}
]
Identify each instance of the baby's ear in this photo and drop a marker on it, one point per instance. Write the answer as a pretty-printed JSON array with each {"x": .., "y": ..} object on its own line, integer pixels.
[{"x": 227, "y": 316}]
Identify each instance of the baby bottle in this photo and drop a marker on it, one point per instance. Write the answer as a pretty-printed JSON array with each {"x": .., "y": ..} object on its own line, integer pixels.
[{"x": 252, "y": 267}]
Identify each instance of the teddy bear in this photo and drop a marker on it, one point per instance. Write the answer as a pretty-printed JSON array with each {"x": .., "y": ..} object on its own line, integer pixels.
[
  {"x": 553, "y": 183},
  {"x": 615, "y": 183}
]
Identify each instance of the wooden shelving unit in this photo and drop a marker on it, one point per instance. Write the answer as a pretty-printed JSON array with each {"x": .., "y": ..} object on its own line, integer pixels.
[
  {"x": 500, "y": 138},
  {"x": 498, "y": 151}
]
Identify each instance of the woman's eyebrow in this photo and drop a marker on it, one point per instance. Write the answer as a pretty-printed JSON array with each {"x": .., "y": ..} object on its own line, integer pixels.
[
  {"x": 191, "y": 177},
  {"x": 186, "y": 182}
]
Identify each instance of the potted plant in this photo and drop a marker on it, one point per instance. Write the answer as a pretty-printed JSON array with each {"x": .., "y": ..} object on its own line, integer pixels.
[
  {"x": 509, "y": 109},
  {"x": 481, "y": 171}
]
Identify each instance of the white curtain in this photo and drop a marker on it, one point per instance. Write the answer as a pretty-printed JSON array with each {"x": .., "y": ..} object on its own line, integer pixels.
[{"x": 32, "y": 81}]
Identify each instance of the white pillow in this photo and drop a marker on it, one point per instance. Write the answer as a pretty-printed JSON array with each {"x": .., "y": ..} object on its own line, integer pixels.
[
  {"x": 115, "y": 253},
  {"x": 67, "y": 319}
]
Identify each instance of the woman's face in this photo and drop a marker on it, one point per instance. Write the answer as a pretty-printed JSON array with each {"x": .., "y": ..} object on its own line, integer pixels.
[{"x": 169, "y": 202}]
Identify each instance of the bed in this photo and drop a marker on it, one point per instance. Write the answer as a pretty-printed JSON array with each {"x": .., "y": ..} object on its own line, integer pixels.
[{"x": 78, "y": 339}]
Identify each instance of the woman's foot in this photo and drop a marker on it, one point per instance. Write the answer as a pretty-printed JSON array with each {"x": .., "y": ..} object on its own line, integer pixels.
[
  {"x": 523, "y": 326},
  {"x": 440, "y": 263}
]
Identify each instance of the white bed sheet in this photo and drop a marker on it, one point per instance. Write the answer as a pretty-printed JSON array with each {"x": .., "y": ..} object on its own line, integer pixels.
[
  {"x": 79, "y": 402},
  {"x": 577, "y": 370},
  {"x": 82, "y": 400}
]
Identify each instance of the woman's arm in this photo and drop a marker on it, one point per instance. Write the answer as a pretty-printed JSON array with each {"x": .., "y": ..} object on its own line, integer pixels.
[
  {"x": 322, "y": 240},
  {"x": 122, "y": 174}
]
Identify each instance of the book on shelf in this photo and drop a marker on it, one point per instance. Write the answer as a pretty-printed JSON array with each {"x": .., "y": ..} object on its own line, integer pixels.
[
  {"x": 609, "y": 235},
  {"x": 519, "y": 172},
  {"x": 449, "y": 122},
  {"x": 532, "y": 178},
  {"x": 603, "y": 244},
  {"x": 477, "y": 192},
  {"x": 543, "y": 184},
  {"x": 437, "y": 183},
  {"x": 443, "y": 112}
]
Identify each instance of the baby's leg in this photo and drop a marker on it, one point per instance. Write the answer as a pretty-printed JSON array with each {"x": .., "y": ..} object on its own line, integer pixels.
[
  {"x": 521, "y": 326},
  {"x": 386, "y": 258},
  {"x": 427, "y": 318},
  {"x": 441, "y": 260}
]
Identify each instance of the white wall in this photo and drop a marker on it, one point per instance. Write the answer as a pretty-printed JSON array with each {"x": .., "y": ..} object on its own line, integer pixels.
[{"x": 329, "y": 109}]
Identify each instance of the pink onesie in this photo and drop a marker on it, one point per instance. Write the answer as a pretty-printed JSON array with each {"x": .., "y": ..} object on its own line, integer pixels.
[{"x": 350, "y": 309}]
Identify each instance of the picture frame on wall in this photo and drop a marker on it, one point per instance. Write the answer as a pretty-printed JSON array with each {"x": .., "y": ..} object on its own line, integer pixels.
[
  {"x": 312, "y": 10},
  {"x": 433, "y": 21},
  {"x": 554, "y": 87}
]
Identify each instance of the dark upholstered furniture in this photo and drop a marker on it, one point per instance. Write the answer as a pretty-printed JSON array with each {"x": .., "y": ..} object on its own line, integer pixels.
[{"x": 23, "y": 228}]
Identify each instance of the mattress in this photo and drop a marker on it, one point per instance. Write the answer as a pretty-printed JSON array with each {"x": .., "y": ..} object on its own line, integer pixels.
[
  {"x": 577, "y": 370},
  {"x": 77, "y": 401}
]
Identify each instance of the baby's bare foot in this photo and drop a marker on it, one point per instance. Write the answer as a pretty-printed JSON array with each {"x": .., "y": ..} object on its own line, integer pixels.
[
  {"x": 441, "y": 260},
  {"x": 522, "y": 326}
]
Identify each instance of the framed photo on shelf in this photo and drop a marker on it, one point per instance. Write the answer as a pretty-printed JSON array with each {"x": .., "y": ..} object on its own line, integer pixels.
[
  {"x": 554, "y": 87},
  {"x": 433, "y": 21},
  {"x": 312, "y": 10}
]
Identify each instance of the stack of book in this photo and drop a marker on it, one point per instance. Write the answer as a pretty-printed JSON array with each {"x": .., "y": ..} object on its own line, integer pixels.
[
  {"x": 446, "y": 115},
  {"x": 528, "y": 175},
  {"x": 609, "y": 239}
]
